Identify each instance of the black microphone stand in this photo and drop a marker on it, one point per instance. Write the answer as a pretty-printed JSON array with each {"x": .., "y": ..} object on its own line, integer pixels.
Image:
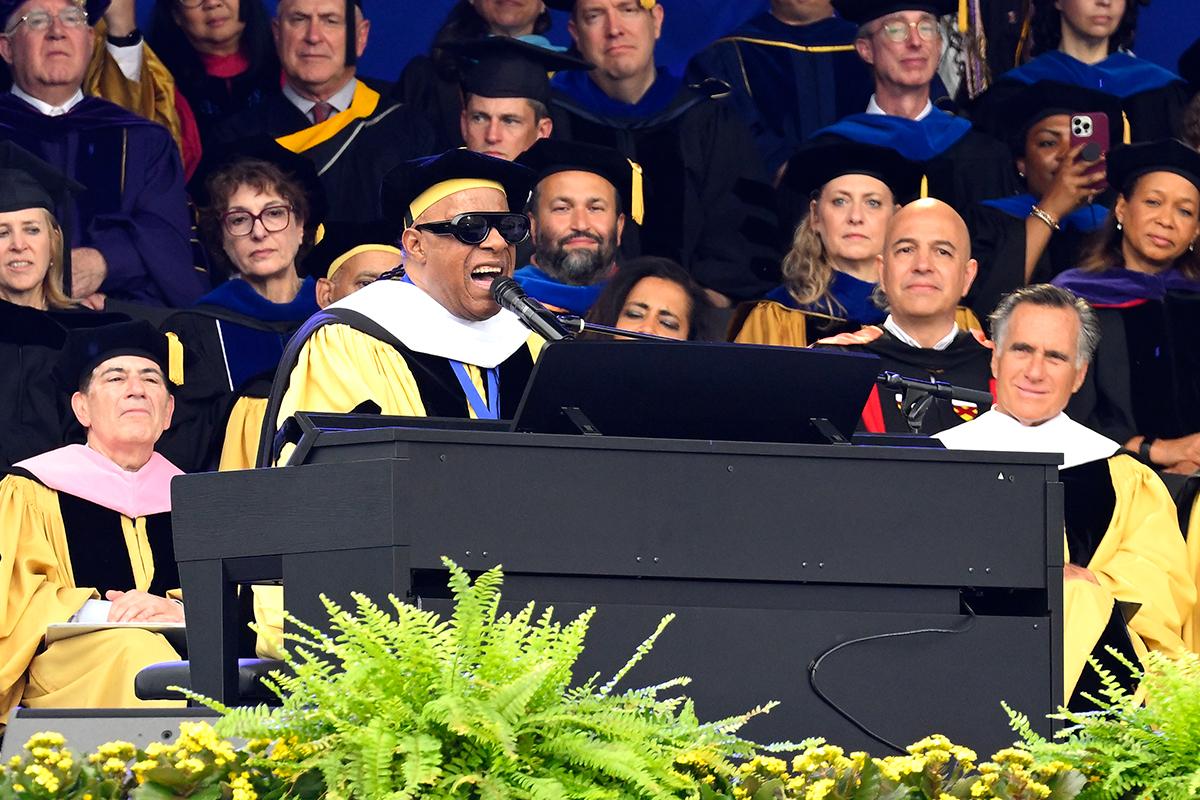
[
  {"x": 577, "y": 325},
  {"x": 919, "y": 395}
]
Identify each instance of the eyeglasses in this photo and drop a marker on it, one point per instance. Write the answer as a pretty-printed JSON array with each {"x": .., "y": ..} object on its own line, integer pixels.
[
  {"x": 241, "y": 223},
  {"x": 70, "y": 17},
  {"x": 473, "y": 227},
  {"x": 897, "y": 30},
  {"x": 190, "y": 3}
]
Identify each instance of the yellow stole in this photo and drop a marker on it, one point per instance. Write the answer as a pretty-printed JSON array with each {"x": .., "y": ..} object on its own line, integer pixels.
[{"x": 365, "y": 101}]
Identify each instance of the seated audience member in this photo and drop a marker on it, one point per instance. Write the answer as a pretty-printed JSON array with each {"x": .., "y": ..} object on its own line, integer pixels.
[
  {"x": 432, "y": 342},
  {"x": 792, "y": 69},
  {"x": 130, "y": 240},
  {"x": 708, "y": 203},
  {"x": 653, "y": 295},
  {"x": 86, "y": 530},
  {"x": 350, "y": 256},
  {"x": 325, "y": 113},
  {"x": 1033, "y": 236},
  {"x": 262, "y": 205},
  {"x": 1085, "y": 44},
  {"x": 1122, "y": 541},
  {"x": 1141, "y": 273},
  {"x": 830, "y": 273},
  {"x": 430, "y": 84},
  {"x": 35, "y": 315},
  {"x": 506, "y": 94},
  {"x": 925, "y": 271},
  {"x": 901, "y": 41},
  {"x": 1191, "y": 123},
  {"x": 220, "y": 53},
  {"x": 577, "y": 213}
]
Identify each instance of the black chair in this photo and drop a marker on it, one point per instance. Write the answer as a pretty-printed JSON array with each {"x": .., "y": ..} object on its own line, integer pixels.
[{"x": 152, "y": 682}]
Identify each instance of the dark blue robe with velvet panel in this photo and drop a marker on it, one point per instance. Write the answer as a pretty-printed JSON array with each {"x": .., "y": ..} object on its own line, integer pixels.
[
  {"x": 787, "y": 81},
  {"x": 134, "y": 210}
]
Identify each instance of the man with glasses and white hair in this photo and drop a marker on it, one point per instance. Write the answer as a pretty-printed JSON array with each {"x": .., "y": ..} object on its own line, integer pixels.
[
  {"x": 1126, "y": 583},
  {"x": 131, "y": 231},
  {"x": 901, "y": 41},
  {"x": 430, "y": 340}
]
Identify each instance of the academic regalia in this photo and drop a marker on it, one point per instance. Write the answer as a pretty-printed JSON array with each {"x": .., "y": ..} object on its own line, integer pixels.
[
  {"x": 962, "y": 165},
  {"x": 550, "y": 292},
  {"x": 778, "y": 319},
  {"x": 135, "y": 211},
  {"x": 1152, "y": 98},
  {"x": 73, "y": 525},
  {"x": 965, "y": 362},
  {"x": 707, "y": 203},
  {"x": 1145, "y": 377},
  {"x": 1121, "y": 526},
  {"x": 391, "y": 348},
  {"x": 998, "y": 244},
  {"x": 228, "y": 85},
  {"x": 433, "y": 96},
  {"x": 352, "y": 150},
  {"x": 244, "y": 333},
  {"x": 787, "y": 81}
]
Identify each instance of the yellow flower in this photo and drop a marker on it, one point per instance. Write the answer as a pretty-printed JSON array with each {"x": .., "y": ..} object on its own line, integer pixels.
[
  {"x": 141, "y": 768},
  {"x": 819, "y": 789},
  {"x": 14, "y": 762},
  {"x": 190, "y": 765},
  {"x": 242, "y": 788},
  {"x": 113, "y": 766},
  {"x": 1011, "y": 755},
  {"x": 45, "y": 739}
]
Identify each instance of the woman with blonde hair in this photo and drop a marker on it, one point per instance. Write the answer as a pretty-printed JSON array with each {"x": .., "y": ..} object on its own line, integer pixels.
[{"x": 831, "y": 271}]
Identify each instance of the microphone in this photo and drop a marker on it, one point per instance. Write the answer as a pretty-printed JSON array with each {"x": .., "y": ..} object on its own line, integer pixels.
[{"x": 509, "y": 295}]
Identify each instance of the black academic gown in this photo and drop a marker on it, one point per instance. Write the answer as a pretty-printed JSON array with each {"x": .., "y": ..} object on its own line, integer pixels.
[
  {"x": 214, "y": 99},
  {"x": 423, "y": 89},
  {"x": 787, "y": 81},
  {"x": 998, "y": 243},
  {"x": 353, "y": 162},
  {"x": 966, "y": 362},
  {"x": 1145, "y": 376},
  {"x": 708, "y": 205}
]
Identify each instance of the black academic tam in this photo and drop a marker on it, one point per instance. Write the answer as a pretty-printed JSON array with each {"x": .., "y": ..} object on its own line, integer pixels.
[
  {"x": 861, "y": 12},
  {"x": 407, "y": 181}
]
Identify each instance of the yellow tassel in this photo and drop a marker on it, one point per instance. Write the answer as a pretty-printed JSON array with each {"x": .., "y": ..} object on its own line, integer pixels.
[
  {"x": 174, "y": 359},
  {"x": 638, "y": 209},
  {"x": 1126, "y": 132},
  {"x": 962, "y": 16},
  {"x": 319, "y": 234},
  {"x": 924, "y": 186}
]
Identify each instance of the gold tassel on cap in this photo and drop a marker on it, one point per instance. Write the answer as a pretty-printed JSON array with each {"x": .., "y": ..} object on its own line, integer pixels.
[
  {"x": 1126, "y": 133},
  {"x": 174, "y": 359},
  {"x": 963, "y": 24},
  {"x": 637, "y": 202},
  {"x": 924, "y": 186}
]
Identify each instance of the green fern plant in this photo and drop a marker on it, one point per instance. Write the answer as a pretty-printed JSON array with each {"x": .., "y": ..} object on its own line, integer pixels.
[
  {"x": 1131, "y": 749},
  {"x": 397, "y": 703}
]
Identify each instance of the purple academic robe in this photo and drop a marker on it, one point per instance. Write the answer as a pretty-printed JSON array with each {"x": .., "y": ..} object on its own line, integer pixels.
[{"x": 134, "y": 210}]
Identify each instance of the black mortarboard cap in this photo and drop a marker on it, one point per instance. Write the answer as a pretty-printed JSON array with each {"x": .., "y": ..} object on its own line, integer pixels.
[
  {"x": 549, "y": 156},
  {"x": 816, "y": 164},
  {"x": 1010, "y": 117},
  {"x": 95, "y": 10},
  {"x": 501, "y": 66},
  {"x": 414, "y": 180},
  {"x": 1130, "y": 162},
  {"x": 218, "y": 157},
  {"x": 27, "y": 181},
  {"x": 342, "y": 237},
  {"x": 86, "y": 348},
  {"x": 860, "y": 12}
]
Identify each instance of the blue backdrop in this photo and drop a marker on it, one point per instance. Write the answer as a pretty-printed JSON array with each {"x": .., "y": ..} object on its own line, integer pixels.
[{"x": 402, "y": 28}]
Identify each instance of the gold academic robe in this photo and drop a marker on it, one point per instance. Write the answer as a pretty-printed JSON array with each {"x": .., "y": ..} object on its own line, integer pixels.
[{"x": 36, "y": 569}]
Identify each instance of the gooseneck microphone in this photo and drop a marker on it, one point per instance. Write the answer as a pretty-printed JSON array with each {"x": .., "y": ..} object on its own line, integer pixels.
[{"x": 509, "y": 295}]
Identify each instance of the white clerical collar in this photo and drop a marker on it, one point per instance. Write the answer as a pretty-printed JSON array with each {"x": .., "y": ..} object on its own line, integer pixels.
[
  {"x": 46, "y": 108},
  {"x": 894, "y": 328},
  {"x": 340, "y": 100},
  {"x": 873, "y": 108},
  {"x": 423, "y": 325},
  {"x": 995, "y": 430}
]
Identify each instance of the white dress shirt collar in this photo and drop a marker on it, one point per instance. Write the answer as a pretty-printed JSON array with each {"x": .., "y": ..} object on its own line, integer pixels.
[
  {"x": 46, "y": 108},
  {"x": 873, "y": 108},
  {"x": 340, "y": 100},
  {"x": 892, "y": 327}
]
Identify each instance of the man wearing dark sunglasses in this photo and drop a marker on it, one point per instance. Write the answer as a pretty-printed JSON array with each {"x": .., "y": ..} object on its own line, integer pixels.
[{"x": 428, "y": 340}]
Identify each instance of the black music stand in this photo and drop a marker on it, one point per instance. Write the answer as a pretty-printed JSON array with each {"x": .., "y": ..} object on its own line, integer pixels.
[{"x": 693, "y": 390}]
